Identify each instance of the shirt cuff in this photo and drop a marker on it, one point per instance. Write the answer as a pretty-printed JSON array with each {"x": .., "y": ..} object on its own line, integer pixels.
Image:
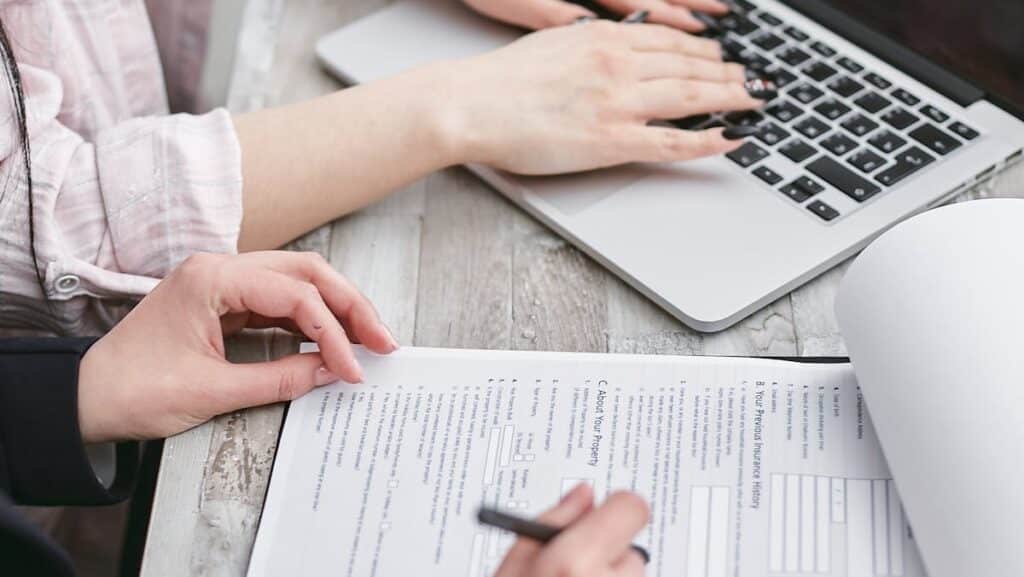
[{"x": 44, "y": 458}]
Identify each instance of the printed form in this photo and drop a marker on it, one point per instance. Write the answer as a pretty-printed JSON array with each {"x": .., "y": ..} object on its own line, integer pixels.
[{"x": 751, "y": 467}]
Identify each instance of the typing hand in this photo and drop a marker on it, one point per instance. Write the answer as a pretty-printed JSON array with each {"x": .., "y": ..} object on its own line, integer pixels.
[
  {"x": 537, "y": 14},
  {"x": 581, "y": 97},
  {"x": 598, "y": 542},
  {"x": 162, "y": 370}
]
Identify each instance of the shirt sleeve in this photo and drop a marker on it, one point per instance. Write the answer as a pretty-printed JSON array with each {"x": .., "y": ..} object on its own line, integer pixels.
[
  {"x": 115, "y": 213},
  {"x": 43, "y": 460}
]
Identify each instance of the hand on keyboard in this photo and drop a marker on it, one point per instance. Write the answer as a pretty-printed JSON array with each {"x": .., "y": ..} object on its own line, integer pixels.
[
  {"x": 581, "y": 97},
  {"x": 537, "y": 14}
]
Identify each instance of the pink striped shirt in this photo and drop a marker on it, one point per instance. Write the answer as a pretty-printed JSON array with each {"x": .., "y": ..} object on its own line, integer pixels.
[{"x": 123, "y": 191}]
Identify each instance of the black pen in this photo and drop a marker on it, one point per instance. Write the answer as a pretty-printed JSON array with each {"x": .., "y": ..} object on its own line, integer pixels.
[{"x": 531, "y": 529}]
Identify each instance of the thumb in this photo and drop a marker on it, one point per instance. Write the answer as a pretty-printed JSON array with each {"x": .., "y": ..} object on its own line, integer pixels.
[{"x": 254, "y": 384}]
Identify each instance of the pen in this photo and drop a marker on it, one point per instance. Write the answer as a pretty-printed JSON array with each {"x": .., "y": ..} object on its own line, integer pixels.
[{"x": 531, "y": 529}]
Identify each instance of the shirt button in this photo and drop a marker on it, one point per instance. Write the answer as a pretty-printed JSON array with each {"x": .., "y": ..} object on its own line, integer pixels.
[{"x": 67, "y": 283}]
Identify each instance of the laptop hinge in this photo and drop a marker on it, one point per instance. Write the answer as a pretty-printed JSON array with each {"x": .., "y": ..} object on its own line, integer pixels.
[{"x": 927, "y": 72}]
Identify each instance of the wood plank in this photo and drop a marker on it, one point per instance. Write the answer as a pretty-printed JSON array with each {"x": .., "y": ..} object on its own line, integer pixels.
[
  {"x": 465, "y": 279},
  {"x": 559, "y": 297}
]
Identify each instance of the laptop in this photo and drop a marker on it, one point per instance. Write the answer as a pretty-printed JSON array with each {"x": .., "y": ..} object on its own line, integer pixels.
[{"x": 886, "y": 109}]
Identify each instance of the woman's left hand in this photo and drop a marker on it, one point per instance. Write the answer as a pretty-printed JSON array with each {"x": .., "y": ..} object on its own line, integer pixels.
[
  {"x": 162, "y": 369},
  {"x": 537, "y": 14}
]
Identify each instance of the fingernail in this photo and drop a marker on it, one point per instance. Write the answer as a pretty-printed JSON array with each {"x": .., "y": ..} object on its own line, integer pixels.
[
  {"x": 359, "y": 372},
  {"x": 637, "y": 17},
  {"x": 709, "y": 22},
  {"x": 739, "y": 132},
  {"x": 394, "y": 342},
  {"x": 325, "y": 377},
  {"x": 761, "y": 89}
]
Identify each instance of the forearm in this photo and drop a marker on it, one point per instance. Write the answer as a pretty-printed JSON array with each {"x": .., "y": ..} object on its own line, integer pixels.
[{"x": 306, "y": 164}]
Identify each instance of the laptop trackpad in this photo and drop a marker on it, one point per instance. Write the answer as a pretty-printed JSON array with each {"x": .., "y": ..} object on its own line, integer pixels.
[{"x": 574, "y": 193}]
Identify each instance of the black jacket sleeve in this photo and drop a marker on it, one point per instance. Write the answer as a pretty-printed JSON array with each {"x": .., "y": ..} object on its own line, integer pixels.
[{"x": 42, "y": 456}]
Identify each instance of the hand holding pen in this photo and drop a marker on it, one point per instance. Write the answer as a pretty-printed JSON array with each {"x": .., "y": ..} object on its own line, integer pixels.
[{"x": 593, "y": 541}]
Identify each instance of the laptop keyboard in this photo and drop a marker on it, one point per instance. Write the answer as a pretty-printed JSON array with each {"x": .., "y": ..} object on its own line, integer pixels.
[{"x": 845, "y": 127}]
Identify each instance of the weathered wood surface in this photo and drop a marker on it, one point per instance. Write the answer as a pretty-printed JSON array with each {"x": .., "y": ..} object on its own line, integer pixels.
[{"x": 448, "y": 263}]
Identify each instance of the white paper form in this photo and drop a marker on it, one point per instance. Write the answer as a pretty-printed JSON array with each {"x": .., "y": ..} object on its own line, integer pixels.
[
  {"x": 932, "y": 315},
  {"x": 750, "y": 467}
]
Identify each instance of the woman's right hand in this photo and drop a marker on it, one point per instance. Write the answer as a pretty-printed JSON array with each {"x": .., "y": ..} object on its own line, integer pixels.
[
  {"x": 581, "y": 97},
  {"x": 596, "y": 544}
]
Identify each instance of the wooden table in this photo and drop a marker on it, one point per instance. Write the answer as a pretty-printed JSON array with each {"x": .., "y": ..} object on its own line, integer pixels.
[{"x": 449, "y": 263}]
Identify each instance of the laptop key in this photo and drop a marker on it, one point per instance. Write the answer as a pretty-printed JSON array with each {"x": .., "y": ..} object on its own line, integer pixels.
[
  {"x": 845, "y": 86},
  {"x": 838, "y": 144},
  {"x": 859, "y": 125},
  {"x": 795, "y": 33},
  {"x": 737, "y": 23},
  {"x": 806, "y": 93},
  {"x": 899, "y": 118},
  {"x": 784, "y": 111},
  {"x": 772, "y": 134},
  {"x": 866, "y": 161},
  {"x": 872, "y": 102},
  {"x": 732, "y": 49},
  {"x": 935, "y": 138},
  {"x": 811, "y": 127},
  {"x": 797, "y": 150},
  {"x": 831, "y": 109},
  {"x": 744, "y": 118},
  {"x": 848, "y": 182},
  {"x": 849, "y": 64},
  {"x": 905, "y": 97},
  {"x": 780, "y": 76},
  {"x": 823, "y": 49},
  {"x": 801, "y": 189},
  {"x": 768, "y": 175},
  {"x": 793, "y": 56},
  {"x": 826, "y": 212},
  {"x": 907, "y": 162},
  {"x": 886, "y": 141},
  {"x": 768, "y": 41},
  {"x": 934, "y": 113},
  {"x": 877, "y": 80},
  {"x": 819, "y": 71},
  {"x": 768, "y": 18},
  {"x": 755, "y": 62},
  {"x": 747, "y": 155},
  {"x": 963, "y": 131}
]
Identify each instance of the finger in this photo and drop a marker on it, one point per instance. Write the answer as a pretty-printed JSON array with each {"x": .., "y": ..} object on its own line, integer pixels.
[
  {"x": 674, "y": 16},
  {"x": 679, "y": 98},
  {"x": 657, "y": 144},
  {"x": 606, "y": 532},
  {"x": 658, "y": 38},
  {"x": 573, "y": 505},
  {"x": 273, "y": 294},
  {"x": 256, "y": 384},
  {"x": 631, "y": 565},
  {"x": 535, "y": 14},
  {"x": 709, "y": 6},
  {"x": 655, "y": 65},
  {"x": 355, "y": 310}
]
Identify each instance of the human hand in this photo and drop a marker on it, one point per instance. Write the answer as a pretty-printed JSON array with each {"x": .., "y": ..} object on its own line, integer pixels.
[
  {"x": 581, "y": 97},
  {"x": 162, "y": 370},
  {"x": 537, "y": 14},
  {"x": 598, "y": 543}
]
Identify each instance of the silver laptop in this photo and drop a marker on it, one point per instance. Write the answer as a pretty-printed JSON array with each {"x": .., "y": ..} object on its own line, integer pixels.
[{"x": 867, "y": 131}]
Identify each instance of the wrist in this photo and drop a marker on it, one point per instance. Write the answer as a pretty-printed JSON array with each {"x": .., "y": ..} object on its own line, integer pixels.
[
  {"x": 445, "y": 114},
  {"x": 93, "y": 405}
]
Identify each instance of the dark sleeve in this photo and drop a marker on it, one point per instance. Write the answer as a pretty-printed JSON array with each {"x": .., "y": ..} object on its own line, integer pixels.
[{"x": 42, "y": 456}]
